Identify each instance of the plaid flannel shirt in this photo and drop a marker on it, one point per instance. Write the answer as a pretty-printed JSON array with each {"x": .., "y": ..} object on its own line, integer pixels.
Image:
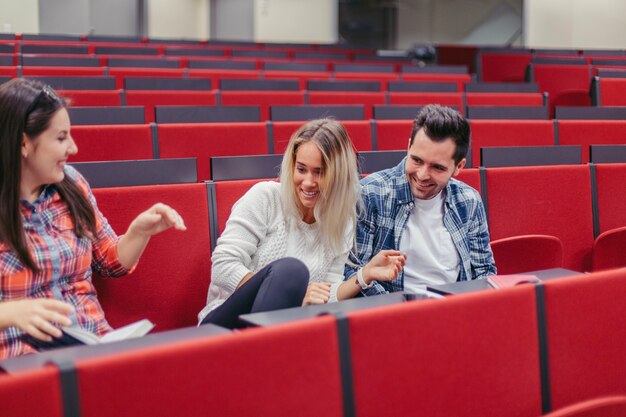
[
  {"x": 388, "y": 204},
  {"x": 65, "y": 263}
]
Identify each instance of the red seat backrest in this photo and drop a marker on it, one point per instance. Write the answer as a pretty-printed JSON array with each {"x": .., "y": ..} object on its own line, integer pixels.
[
  {"x": 591, "y": 132},
  {"x": 566, "y": 85},
  {"x": 112, "y": 142},
  {"x": 471, "y": 177},
  {"x": 393, "y": 135},
  {"x": 170, "y": 283},
  {"x": 360, "y": 132},
  {"x": 204, "y": 140},
  {"x": 263, "y": 99},
  {"x": 150, "y": 99},
  {"x": 92, "y": 97},
  {"x": 503, "y": 67},
  {"x": 459, "y": 79},
  {"x": 544, "y": 200},
  {"x": 368, "y": 99},
  {"x": 504, "y": 99},
  {"x": 226, "y": 194},
  {"x": 29, "y": 393},
  {"x": 586, "y": 318},
  {"x": 611, "y": 181},
  {"x": 509, "y": 133},
  {"x": 613, "y": 91},
  {"x": 422, "y": 99},
  {"x": 432, "y": 346},
  {"x": 290, "y": 370}
]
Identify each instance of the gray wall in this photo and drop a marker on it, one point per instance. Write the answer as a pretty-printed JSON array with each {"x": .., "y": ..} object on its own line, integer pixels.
[
  {"x": 80, "y": 17},
  {"x": 232, "y": 20}
]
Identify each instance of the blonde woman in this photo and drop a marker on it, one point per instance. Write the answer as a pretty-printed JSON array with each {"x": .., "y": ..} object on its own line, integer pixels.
[{"x": 286, "y": 243}]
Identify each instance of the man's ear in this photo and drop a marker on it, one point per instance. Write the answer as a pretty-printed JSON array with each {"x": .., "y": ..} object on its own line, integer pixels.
[{"x": 459, "y": 167}]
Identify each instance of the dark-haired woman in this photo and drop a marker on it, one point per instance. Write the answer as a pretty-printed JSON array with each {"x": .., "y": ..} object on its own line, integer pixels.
[{"x": 52, "y": 234}]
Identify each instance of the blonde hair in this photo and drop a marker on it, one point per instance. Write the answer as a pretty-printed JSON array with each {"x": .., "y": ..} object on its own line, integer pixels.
[{"x": 340, "y": 195}]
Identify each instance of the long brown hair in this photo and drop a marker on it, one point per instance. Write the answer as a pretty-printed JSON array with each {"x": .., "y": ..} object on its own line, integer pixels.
[{"x": 26, "y": 107}]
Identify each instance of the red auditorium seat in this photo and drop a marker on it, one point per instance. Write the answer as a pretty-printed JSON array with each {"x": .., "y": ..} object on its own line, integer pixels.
[
  {"x": 484, "y": 366},
  {"x": 360, "y": 132},
  {"x": 369, "y": 99},
  {"x": 566, "y": 85},
  {"x": 610, "y": 180},
  {"x": 170, "y": 283},
  {"x": 150, "y": 99},
  {"x": 29, "y": 393},
  {"x": 263, "y": 99},
  {"x": 504, "y": 99},
  {"x": 64, "y": 71},
  {"x": 585, "y": 319},
  {"x": 393, "y": 135},
  {"x": 112, "y": 142},
  {"x": 545, "y": 200},
  {"x": 510, "y": 133},
  {"x": 290, "y": 370},
  {"x": 471, "y": 177},
  {"x": 608, "y": 250},
  {"x": 93, "y": 97},
  {"x": 517, "y": 254},
  {"x": 610, "y": 406},
  {"x": 203, "y": 140},
  {"x": 226, "y": 194},
  {"x": 612, "y": 91},
  {"x": 460, "y": 79},
  {"x": 422, "y": 99},
  {"x": 503, "y": 66},
  {"x": 591, "y": 132},
  {"x": 122, "y": 72}
]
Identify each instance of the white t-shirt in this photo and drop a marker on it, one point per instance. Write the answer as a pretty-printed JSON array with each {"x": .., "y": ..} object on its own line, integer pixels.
[{"x": 431, "y": 255}]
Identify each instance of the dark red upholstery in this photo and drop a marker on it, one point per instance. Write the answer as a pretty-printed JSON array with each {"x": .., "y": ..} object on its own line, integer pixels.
[
  {"x": 368, "y": 99},
  {"x": 170, "y": 283},
  {"x": 609, "y": 249},
  {"x": 613, "y": 91},
  {"x": 611, "y": 179},
  {"x": 393, "y": 135},
  {"x": 503, "y": 67},
  {"x": 226, "y": 194},
  {"x": 504, "y": 99},
  {"x": 422, "y": 99},
  {"x": 31, "y": 393},
  {"x": 459, "y": 79},
  {"x": 454, "y": 357},
  {"x": 263, "y": 99},
  {"x": 545, "y": 200},
  {"x": 611, "y": 406},
  {"x": 527, "y": 253},
  {"x": 150, "y": 99},
  {"x": 591, "y": 132},
  {"x": 471, "y": 177},
  {"x": 510, "y": 133},
  {"x": 112, "y": 142},
  {"x": 360, "y": 133},
  {"x": 586, "y": 318},
  {"x": 93, "y": 97},
  {"x": 64, "y": 71},
  {"x": 290, "y": 370},
  {"x": 566, "y": 85},
  {"x": 122, "y": 72},
  {"x": 204, "y": 140}
]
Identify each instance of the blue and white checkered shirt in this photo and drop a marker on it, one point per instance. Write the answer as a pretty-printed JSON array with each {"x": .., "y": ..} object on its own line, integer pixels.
[{"x": 388, "y": 204}]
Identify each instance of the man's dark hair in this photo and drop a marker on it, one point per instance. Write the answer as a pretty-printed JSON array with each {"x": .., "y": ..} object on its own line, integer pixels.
[{"x": 440, "y": 123}]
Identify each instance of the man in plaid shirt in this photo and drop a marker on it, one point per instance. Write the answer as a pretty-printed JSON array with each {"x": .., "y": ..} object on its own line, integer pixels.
[{"x": 417, "y": 207}]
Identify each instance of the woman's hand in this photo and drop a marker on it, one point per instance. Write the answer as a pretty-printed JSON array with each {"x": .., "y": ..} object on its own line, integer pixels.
[
  {"x": 38, "y": 317},
  {"x": 385, "y": 266},
  {"x": 316, "y": 293},
  {"x": 156, "y": 219}
]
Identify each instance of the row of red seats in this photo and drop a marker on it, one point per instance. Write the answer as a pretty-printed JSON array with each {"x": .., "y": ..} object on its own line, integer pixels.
[
  {"x": 521, "y": 352},
  {"x": 204, "y": 140}
]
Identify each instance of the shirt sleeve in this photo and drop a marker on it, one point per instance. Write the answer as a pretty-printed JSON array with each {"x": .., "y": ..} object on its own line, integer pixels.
[
  {"x": 481, "y": 256},
  {"x": 105, "y": 259},
  {"x": 366, "y": 229},
  {"x": 246, "y": 227}
]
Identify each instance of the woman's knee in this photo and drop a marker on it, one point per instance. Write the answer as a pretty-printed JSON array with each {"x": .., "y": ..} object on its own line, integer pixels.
[{"x": 291, "y": 270}]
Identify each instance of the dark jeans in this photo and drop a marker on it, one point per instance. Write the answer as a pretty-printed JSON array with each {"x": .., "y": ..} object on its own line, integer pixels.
[{"x": 281, "y": 284}]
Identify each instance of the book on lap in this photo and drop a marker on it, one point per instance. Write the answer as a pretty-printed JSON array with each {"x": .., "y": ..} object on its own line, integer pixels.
[
  {"x": 77, "y": 336},
  {"x": 506, "y": 281}
]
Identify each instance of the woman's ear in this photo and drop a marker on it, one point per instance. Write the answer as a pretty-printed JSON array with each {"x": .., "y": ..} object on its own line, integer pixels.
[{"x": 25, "y": 145}]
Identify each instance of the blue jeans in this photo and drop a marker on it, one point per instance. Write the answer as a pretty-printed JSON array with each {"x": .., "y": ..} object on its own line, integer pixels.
[{"x": 280, "y": 284}]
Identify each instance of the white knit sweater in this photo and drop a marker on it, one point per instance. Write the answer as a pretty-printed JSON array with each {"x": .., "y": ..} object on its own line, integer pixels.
[{"x": 256, "y": 234}]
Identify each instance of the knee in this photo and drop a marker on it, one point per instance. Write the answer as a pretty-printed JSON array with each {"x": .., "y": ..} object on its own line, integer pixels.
[{"x": 292, "y": 271}]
